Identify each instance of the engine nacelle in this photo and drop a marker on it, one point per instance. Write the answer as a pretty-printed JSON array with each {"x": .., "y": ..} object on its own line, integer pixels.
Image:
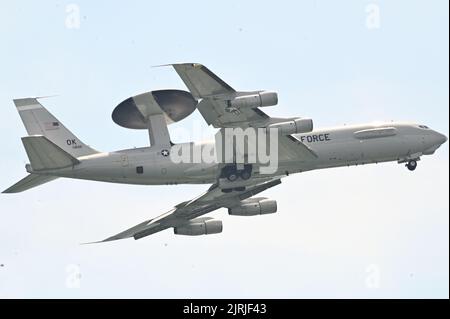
[
  {"x": 265, "y": 98},
  {"x": 199, "y": 226},
  {"x": 255, "y": 206},
  {"x": 293, "y": 127}
]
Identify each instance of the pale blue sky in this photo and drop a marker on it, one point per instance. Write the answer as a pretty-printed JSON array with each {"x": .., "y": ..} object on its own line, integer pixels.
[{"x": 334, "y": 227}]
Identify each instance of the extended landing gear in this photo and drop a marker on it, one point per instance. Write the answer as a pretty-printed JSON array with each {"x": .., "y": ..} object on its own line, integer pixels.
[
  {"x": 411, "y": 165},
  {"x": 246, "y": 173},
  {"x": 232, "y": 173}
]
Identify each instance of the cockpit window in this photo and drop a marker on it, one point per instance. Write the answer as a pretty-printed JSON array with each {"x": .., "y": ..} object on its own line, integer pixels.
[{"x": 424, "y": 127}]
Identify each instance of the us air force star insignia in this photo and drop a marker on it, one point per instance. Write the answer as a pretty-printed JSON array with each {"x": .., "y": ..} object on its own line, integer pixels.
[{"x": 165, "y": 153}]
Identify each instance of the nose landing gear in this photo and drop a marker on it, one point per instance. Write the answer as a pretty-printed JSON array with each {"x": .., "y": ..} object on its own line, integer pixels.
[{"x": 411, "y": 165}]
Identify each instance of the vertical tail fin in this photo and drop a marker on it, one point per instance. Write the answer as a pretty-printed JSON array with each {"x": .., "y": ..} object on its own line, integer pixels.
[{"x": 39, "y": 121}]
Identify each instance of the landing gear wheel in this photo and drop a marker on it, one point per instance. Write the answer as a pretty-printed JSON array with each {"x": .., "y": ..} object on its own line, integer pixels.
[
  {"x": 245, "y": 174},
  {"x": 229, "y": 172},
  {"x": 412, "y": 165},
  {"x": 232, "y": 176}
]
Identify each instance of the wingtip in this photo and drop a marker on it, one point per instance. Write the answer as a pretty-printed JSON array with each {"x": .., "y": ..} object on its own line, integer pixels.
[
  {"x": 97, "y": 242},
  {"x": 92, "y": 242},
  {"x": 161, "y": 65},
  {"x": 10, "y": 190},
  {"x": 195, "y": 65},
  {"x": 113, "y": 238}
]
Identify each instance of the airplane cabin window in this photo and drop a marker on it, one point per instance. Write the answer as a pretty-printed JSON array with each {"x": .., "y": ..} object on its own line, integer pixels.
[{"x": 139, "y": 169}]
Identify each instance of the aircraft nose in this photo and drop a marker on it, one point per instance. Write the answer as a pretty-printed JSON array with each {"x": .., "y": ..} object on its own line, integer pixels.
[{"x": 440, "y": 138}]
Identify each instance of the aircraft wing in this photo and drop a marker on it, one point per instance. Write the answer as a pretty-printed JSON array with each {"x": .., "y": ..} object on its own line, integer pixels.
[
  {"x": 213, "y": 92},
  {"x": 201, "y": 81},
  {"x": 211, "y": 200}
]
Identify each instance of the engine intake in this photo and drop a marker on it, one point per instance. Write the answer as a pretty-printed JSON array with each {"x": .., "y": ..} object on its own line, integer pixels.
[
  {"x": 265, "y": 98},
  {"x": 293, "y": 127},
  {"x": 199, "y": 226},
  {"x": 254, "y": 206}
]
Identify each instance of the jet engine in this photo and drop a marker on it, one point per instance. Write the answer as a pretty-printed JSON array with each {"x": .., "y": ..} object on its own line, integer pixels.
[
  {"x": 293, "y": 127},
  {"x": 254, "y": 206},
  {"x": 264, "y": 98},
  {"x": 199, "y": 226}
]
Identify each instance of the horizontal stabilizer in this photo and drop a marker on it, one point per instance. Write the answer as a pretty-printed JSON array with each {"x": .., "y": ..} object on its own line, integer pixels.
[
  {"x": 45, "y": 155},
  {"x": 32, "y": 180}
]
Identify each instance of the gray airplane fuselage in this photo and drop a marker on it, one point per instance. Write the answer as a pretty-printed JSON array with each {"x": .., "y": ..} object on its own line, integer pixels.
[{"x": 334, "y": 147}]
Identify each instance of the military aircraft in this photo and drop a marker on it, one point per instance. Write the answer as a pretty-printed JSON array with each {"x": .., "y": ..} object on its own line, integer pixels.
[{"x": 235, "y": 180}]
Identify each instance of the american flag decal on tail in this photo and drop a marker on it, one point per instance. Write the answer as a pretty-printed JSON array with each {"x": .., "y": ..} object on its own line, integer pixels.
[{"x": 51, "y": 126}]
